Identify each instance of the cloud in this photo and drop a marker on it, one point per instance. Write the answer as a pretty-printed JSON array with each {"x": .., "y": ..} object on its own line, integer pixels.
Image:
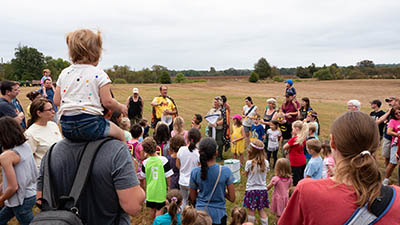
[{"x": 198, "y": 34}]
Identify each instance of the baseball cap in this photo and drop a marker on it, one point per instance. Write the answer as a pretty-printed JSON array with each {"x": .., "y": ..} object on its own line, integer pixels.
[
  {"x": 376, "y": 102},
  {"x": 289, "y": 82},
  {"x": 135, "y": 91},
  {"x": 390, "y": 99},
  {"x": 237, "y": 116}
]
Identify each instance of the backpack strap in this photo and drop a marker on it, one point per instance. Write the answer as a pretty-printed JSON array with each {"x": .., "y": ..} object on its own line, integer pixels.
[
  {"x": 213, "y": 190},
  {"x": 48, "y": 201},
  {"x": 379, "y": 208},
  {"x": 85, "y": 167}
]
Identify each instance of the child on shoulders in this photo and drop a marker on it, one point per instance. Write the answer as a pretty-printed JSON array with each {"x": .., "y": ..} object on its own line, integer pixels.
[{"x": 81, "y": 90}]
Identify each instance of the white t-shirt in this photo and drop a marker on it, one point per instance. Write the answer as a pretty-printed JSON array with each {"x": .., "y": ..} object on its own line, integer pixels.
[
  {"x": 79, "y": 85},
  {"x": 41, "y": 138},
  {"x": 248, "y": 122},
  {"x": 189, "y": 161},
  {"x": 256, "y": 179},
  {"x": 273, "y": 139}
]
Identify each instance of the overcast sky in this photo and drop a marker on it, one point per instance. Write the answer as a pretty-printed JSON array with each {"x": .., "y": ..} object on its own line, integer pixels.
[{"x": 198, "y": 34}]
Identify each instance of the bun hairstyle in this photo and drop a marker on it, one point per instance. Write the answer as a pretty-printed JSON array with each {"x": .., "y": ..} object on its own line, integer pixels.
[
  {"x": 302, "y": 135},
  {"x": 192, "y": 216},
  {"x": 84, "y": 46},
  {"x": 208, "y": 149},
  {"x": 238, "y": 215},
  {"x": 257, "y": 155},
  {"x": 174, "y": 198},
  {"x": 194, "y": 137},
  {"x": 355, "y": 136}
]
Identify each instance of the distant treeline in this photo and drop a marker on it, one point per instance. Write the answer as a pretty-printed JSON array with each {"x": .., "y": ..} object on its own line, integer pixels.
[{"x": 29, "y": 63}]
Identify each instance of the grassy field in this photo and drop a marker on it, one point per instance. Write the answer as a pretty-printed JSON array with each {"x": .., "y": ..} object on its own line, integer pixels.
[{"x": 328, "y": 98}]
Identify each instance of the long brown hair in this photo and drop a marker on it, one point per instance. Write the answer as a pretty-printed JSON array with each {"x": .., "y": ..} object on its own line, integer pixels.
[
  {"x": 11, "y": 133},
  {"x": 37, "y": 105},
  {"x": 353, "y": 133},
  {"x": 174, "y": 198},
  {"x": 257, "y": 155}
]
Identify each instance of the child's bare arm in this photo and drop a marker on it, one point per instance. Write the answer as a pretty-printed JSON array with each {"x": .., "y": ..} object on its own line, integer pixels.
[
  {"x": 270, "y": 185},
  {"x": 57, "y": 96},
  {"x": 169, "y": 182},
  {"x": 109, "y": 102}
]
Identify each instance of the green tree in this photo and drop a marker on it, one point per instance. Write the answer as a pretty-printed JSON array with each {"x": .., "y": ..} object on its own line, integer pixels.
[
  {"x": 254, "y": 77},
  {"x": 28, "y": 62},
  {"x": 312, "y": 69},
  {"x": 165, "y": 78},
  {"x": 180, "y": 78},
  {"x": 274, "y": 71},
  {"x": 303, "y": 72},
  {"x": 212, "y": 70},
  {"x": 366, "y": 63},
  {"x": 323, "y": 74},
  {"x": 262, "y": 68}
]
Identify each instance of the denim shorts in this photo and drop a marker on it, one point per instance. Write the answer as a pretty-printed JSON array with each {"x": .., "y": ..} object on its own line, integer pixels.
[
  {"x": 84, "y": 127},
  {"x": 23, "y": 212},
  {"x": 393, "y": 151}
]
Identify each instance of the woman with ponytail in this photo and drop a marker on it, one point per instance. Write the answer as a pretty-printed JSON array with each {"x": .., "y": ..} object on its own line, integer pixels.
[
  {"x": 173, "y": 216},
  {"x": 187, "y": 159},
  {"x": 295, "y": 146},
  {"x": 356, "y": 185},
  {"x": 211, "y": 183}
]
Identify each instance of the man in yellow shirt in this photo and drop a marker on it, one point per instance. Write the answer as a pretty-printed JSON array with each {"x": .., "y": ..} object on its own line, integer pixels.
[{"x": 163, "y": 105}]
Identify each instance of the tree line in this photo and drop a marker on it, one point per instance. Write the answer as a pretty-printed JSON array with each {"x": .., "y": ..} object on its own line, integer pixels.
[{"x": 29, "y": 63}]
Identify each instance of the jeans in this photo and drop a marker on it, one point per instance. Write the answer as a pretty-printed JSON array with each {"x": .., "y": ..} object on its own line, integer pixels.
[
  {"x": 84, "y": 127},
  {"x": 23, "y": 212}
]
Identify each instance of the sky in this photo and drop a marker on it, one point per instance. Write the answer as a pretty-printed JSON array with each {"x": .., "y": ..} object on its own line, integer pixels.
[{"x": 199, "y": 34}]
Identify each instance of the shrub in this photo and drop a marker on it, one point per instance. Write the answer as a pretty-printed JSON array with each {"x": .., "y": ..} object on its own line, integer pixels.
[
  {"x": 180, "y": 78},
  {"x": 165, "y": 78},
  {"x": 254, "y": 77},
  {"x": 120, "y": 81},
  {"x": 323, "y": 74},
  {"x": 278, "y": 79}
]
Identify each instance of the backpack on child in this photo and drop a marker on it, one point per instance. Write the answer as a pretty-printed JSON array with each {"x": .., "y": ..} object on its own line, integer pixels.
[{"x": 65, "y": 211}]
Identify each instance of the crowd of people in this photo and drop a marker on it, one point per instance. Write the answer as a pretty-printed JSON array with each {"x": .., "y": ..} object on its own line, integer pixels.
[{"x": 177, "y": 171}]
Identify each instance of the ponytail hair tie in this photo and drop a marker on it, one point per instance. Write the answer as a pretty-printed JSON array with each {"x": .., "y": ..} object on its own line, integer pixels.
[
  {"x": 257, "y": 147},
  {"x": 174, "y": 199},
  {"x": 366, "y": 152}
]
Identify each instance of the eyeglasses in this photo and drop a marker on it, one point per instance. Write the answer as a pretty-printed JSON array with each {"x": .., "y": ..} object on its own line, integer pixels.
[{"x": 51, "y": 109}]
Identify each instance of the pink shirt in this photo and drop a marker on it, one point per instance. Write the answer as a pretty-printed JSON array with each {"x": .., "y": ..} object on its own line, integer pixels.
[
  {"x": 395, "y": 125},
  {"x": 326, "y": 202},
  {"x": 185, "y": 135}
]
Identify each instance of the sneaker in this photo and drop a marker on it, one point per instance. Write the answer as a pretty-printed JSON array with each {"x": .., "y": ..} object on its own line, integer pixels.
[{"x": 385, "y": 182}]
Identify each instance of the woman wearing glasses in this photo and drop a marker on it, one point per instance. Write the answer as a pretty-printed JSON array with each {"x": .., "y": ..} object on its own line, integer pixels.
[{"x": 42, "y": 132}]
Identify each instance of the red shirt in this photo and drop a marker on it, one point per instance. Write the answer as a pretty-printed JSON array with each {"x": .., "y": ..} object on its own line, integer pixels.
[
  {"x": 326, "y": 202},
  {"x": 296, "y": 153},
  {"x": 288, "y": 107}
]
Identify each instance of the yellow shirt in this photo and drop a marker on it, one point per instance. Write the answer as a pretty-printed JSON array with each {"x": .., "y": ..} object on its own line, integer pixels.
[{"x": 167, "y": 104}]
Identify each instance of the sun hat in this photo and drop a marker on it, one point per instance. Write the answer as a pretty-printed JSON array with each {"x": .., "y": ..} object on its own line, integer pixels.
[{"x": 237, "y": 116}]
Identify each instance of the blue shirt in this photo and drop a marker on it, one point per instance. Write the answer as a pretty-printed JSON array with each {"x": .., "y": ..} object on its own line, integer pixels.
[
  {"x": 216, "y": 208},
  {"x": 50, "y": 96},
  {"x": 260, "y": 131},
  {"x": 166, "y": 219},
  {"x": 314, "y": 168},
  {"x": 291, "y": 90}
]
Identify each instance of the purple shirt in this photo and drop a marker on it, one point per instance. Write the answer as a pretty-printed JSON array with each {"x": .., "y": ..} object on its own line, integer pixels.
[{"x": 288, "y": 107}]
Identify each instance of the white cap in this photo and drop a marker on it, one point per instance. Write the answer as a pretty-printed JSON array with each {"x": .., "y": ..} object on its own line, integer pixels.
[{"x": 135, "y": 91}]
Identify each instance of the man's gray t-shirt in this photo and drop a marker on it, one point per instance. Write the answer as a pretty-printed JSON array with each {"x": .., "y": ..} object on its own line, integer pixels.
[{"x": 112, "y": 170}]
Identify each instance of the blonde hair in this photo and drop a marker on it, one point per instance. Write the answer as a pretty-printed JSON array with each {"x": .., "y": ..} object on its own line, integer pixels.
[
  {"x": 282, "y": 168},
  {"x": 192, "y": 216},
  {"x": 353, "y": 133},
  {"x": 257, "y": 156},
  {"x": 124, "y": 123},
  {"x": 302, "y": 135},
  {"x": 314, "y": 145},
  {"x": 84, "y": 46},
  {"x": 179, "y": 124},
  {"x": 312, "y": 127},
  {"x": 46, "y": 70},
  {"x": 238, "y": 215}
]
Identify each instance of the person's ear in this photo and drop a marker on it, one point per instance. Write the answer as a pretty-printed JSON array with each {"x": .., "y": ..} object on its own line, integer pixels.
[{"x": 332, "y": 143}]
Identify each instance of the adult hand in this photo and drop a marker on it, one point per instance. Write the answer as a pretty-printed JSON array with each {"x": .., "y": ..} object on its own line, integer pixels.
[
  {"x": 21, "y": 115},
  {"x": 214, "y": 124}
]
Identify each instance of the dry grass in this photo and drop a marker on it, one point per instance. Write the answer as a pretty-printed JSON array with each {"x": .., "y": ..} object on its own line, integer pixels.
[{"x": 328, "y": 98}]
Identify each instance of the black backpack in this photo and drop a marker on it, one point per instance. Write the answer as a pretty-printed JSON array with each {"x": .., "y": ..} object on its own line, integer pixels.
[{"x": 65, "y": 211}]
